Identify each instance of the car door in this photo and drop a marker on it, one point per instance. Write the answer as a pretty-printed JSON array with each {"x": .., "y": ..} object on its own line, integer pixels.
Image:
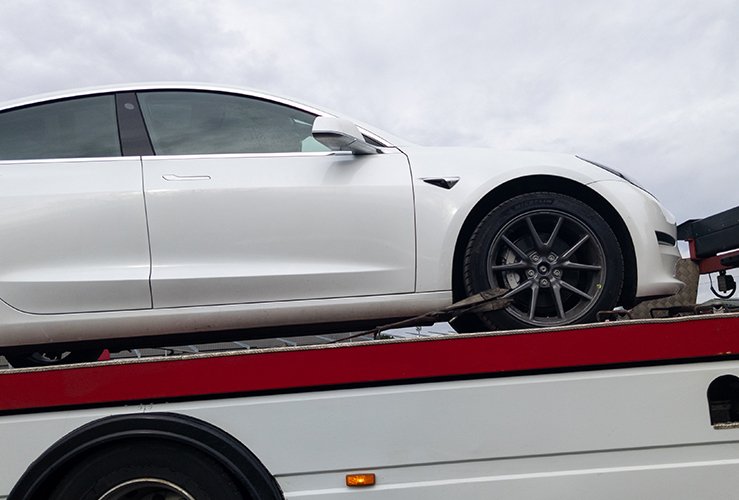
[
  {"x": 245, "y": 206},
  {"x": 73, "y": 227}
]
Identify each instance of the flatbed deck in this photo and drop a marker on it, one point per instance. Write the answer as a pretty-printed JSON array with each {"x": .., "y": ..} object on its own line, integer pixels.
[{"x": 367, "y": 363}]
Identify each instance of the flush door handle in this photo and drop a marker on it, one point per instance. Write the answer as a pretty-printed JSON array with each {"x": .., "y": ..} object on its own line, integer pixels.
[{"x": 173, "y": 177}]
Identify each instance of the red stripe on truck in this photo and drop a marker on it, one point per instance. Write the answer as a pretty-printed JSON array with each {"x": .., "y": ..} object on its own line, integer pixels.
[{"x": 305, "y": 368}]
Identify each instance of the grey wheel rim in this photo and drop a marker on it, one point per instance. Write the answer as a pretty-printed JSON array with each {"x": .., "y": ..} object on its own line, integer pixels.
[
  {"x": 147, "y": 489},
  {"x": 553, "y": 265}
]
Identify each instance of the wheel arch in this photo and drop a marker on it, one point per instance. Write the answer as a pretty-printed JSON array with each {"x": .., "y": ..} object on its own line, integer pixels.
[
  {"x": 554, "y": 184},
  {"x": 247, "y": 471}
]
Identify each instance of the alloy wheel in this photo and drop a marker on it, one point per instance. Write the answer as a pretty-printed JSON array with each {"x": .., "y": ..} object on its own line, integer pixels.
[{"x": 552, "y": 264}]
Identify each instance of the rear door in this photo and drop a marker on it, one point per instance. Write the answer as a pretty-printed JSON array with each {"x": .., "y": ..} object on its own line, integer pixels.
[
  {"x": 73, "y": 224},
  {"x": 245, "y": 206}
]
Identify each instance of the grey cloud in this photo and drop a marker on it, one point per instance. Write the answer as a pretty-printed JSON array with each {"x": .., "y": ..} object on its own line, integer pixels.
[{"x": 648, "y": 86}]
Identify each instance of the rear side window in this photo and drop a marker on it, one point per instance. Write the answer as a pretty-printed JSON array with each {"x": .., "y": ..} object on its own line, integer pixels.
[
  {"x": 199, "y": 122},
  {"x": 76, "y": 128}
]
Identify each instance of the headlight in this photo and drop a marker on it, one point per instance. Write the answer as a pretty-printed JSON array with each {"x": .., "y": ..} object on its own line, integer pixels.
[{"x": 617, "y": 173}]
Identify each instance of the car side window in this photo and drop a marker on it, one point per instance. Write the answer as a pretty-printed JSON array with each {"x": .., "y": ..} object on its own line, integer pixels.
[
  {"x": 198, "y": 122},
  {"x": 84, "y": 127}
]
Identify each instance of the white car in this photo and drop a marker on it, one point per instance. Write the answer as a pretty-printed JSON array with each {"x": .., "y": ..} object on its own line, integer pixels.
[{"x": 138, "y": 211}]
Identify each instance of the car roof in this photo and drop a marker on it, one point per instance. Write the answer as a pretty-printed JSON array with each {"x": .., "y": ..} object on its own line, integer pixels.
[{"x": 131, "y": 87}]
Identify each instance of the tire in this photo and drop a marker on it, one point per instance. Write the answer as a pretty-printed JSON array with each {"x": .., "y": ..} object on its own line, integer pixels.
[
  {"x": 559, "y": 259},
  {"x": 52, "y": 358},
  {"x": 145, "y": 470}
]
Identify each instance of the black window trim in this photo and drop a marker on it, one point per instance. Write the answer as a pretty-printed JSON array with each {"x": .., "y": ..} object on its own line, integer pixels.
[{"x": 134, "y": 137}]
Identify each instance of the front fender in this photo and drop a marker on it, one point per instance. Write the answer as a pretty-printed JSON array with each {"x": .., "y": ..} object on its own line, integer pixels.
[{"x": 441, "y": 213}]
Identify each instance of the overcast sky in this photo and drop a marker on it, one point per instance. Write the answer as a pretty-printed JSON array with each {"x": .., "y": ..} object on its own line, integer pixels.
[{"x": 650, "y": 87}]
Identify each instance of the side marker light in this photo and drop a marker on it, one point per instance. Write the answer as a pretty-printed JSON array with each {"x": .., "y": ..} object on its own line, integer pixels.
[{"x": 359, "y": 480}]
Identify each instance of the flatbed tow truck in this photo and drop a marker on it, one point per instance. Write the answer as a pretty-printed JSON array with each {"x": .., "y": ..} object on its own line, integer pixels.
[{"x": 636, "y": 408}]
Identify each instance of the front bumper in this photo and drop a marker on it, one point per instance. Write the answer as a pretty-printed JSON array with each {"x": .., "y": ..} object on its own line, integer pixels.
[{"x": 645, "y": 218}]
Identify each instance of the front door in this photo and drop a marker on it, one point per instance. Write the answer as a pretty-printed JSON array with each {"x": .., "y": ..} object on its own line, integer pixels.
[{"x": 244, "y": 206}]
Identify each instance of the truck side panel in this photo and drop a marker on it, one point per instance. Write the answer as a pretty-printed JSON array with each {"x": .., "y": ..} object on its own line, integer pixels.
[{"x": 601, "y": 434}]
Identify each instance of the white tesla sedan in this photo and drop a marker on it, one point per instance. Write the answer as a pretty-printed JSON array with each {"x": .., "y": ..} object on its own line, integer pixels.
[{"x": 148, "y": 210}]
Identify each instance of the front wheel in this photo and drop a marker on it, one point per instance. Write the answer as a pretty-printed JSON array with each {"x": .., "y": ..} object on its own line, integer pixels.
[{"x": 557, "y": 257}]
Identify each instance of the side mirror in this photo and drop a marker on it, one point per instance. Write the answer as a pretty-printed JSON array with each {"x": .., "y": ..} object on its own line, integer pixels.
[{"x": 338, "y": 134}]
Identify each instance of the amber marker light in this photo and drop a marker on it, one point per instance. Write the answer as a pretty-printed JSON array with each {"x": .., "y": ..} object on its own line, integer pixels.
[{"x": 358, "y": 480}]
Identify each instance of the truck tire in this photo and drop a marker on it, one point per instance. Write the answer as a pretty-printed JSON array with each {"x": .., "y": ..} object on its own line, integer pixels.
[
  {"x": 559, "y": 259},
  {"x": 147, "y": 470}
]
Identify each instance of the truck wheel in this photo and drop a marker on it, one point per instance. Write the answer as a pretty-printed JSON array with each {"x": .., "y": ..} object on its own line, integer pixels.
[
  {"x": 147, "y": 471},
  {"x": 51, "y": 358},
  {"x": 557, "y": 257}
]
